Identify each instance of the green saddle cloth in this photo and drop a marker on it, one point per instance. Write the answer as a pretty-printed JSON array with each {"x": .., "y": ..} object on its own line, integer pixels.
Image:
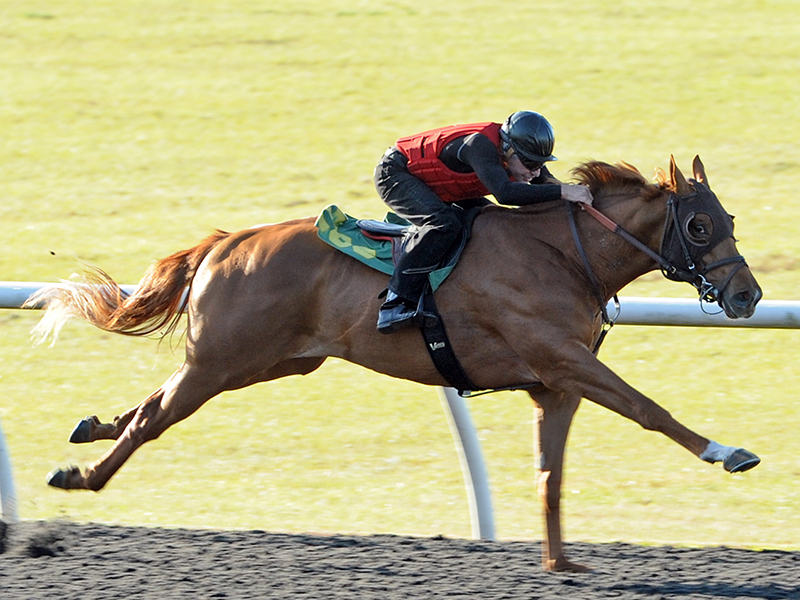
[{"x": 341, "y": 231}]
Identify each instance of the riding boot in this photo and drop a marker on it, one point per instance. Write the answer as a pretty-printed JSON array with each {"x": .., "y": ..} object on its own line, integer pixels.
[{"x": 396, "y": 313}]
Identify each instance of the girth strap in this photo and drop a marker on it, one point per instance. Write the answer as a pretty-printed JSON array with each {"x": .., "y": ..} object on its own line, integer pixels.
[{"x": 440, "y": 350}]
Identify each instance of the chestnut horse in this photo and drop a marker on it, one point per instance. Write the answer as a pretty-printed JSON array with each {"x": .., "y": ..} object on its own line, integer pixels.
[{"x": 522, "y": 309}]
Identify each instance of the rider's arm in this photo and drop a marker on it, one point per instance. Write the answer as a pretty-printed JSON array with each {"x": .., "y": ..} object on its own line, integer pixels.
[{"x": 481, "y": 155}]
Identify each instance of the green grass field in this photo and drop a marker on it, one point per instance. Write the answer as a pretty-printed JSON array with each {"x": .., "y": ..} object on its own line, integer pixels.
[{"x": 130, "y": 130}]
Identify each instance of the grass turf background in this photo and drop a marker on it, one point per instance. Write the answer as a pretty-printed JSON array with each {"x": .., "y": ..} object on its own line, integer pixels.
[{"x": 129, "y": 130}]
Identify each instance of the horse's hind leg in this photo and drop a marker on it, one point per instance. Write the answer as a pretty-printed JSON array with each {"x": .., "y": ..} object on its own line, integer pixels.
[
  {"x": 186, "y": 391},
  {"x": 90, "y": 429}
]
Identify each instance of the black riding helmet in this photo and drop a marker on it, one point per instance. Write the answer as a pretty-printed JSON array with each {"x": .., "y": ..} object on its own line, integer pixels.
[{"x": 530, "y": 135}]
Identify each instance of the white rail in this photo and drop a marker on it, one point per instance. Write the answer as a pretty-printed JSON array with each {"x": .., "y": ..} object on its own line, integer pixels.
[
  {"x": 13, "y": 294},
  {"x": 468, "y": 447},
  {"x": 8, "y": 495},
  {"x": 770, "y": 314}
]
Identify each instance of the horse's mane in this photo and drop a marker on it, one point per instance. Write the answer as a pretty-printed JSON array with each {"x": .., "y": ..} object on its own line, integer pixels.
[{"x": 604, "y": 179}]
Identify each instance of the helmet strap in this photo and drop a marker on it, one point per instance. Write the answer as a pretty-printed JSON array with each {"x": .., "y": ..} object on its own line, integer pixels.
[{"x": 505, "y": 157}]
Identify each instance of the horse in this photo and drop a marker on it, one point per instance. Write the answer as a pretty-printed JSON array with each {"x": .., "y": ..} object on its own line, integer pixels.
[{"x": 524, "y": 309}]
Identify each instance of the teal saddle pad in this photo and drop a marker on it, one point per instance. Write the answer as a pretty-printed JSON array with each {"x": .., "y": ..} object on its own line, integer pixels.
[{"x": 340, "y": 230}]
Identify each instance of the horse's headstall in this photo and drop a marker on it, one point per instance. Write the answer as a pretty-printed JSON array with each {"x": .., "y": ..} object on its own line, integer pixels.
[{"x": 683, "y": 250}]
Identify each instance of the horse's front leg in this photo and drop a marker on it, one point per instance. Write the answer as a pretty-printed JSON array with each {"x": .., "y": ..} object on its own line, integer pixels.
[
  {"x": 577, "y": 371},
  {"x": 553, "y": 419}
]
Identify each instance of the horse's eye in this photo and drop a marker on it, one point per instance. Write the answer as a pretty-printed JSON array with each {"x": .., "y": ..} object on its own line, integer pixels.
[{"x": 698, "y": 229}]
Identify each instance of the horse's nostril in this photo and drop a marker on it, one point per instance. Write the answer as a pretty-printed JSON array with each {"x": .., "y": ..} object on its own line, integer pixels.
[{"x": 745, "y": 298}]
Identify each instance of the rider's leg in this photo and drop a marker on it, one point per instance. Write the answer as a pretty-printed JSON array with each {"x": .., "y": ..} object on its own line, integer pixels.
[{"x": 438, "y": 227}]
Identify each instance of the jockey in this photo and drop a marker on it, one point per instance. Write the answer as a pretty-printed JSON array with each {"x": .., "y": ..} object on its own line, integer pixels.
[{"x": 422, "y": 174}]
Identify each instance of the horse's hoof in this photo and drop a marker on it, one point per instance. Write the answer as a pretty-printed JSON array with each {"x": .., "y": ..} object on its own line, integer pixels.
[
  {"x": 82, "y": 434},
  {"x": 565, "y": 566},
  {"x": 57, "y": 478},
  {"x": 60, "y": 478},
  {"x": 741, "y": 460}
]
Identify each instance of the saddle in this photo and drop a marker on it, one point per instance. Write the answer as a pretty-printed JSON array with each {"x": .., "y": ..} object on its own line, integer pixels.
[
  {"x": 394, "y": 233},
  {"x": 379, "y": 244}
]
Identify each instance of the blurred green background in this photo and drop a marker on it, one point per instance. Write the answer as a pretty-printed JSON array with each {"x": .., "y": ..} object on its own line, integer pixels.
[{"x": 131, "y": 129}]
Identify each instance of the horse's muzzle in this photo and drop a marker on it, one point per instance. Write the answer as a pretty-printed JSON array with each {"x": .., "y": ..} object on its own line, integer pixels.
[{"x": 741, "y": 304}]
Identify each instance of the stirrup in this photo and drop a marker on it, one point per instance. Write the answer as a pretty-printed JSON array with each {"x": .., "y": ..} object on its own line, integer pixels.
[
  {"x": 395, "y": 314},
  {"x": 399, "y": 315},
  {"x": 395, "y": 318},
  {"x": 423, "y": 318}
]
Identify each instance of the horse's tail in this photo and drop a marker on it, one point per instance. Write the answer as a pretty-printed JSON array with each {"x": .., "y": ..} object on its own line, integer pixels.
[{"x": 155, "y": 306}]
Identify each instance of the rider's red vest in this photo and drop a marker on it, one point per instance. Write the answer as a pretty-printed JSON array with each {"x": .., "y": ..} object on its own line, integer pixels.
[{"x": 423, "y": 149}]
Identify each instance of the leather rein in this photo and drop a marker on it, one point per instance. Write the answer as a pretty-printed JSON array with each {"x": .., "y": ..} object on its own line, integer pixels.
[{"x": 690, "y": 274}]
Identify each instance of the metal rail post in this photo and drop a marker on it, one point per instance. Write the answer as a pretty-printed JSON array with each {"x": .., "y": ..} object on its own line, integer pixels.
[
  {"x": 8, "y": 496},
  {"x": 470, "y": 456}
]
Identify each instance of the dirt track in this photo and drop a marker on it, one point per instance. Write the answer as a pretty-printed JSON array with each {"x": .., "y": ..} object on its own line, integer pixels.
[{"x": 65, "y": 560}]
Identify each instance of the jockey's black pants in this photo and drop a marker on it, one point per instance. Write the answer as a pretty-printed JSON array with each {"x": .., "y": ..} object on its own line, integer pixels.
[{"x": 437, "y": 224}]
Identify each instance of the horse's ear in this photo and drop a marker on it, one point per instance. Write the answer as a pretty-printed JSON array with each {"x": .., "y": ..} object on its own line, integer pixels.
[
  {"x": 699, "y": 171},
  {"x": 678, "y": 180}
]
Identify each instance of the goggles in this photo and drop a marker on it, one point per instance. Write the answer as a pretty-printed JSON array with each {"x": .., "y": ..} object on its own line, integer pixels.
[{"x": 531, "y": 165}]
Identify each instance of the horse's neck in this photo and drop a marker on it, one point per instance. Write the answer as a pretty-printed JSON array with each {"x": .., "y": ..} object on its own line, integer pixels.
[
  {"x": 617, "y": 262},
  {"x": 614, "y": 262}
]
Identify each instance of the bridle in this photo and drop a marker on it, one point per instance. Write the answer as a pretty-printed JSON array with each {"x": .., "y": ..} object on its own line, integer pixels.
[
  {"x": 680, "y": 213},
  {"x": 679, "y": 254}
]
